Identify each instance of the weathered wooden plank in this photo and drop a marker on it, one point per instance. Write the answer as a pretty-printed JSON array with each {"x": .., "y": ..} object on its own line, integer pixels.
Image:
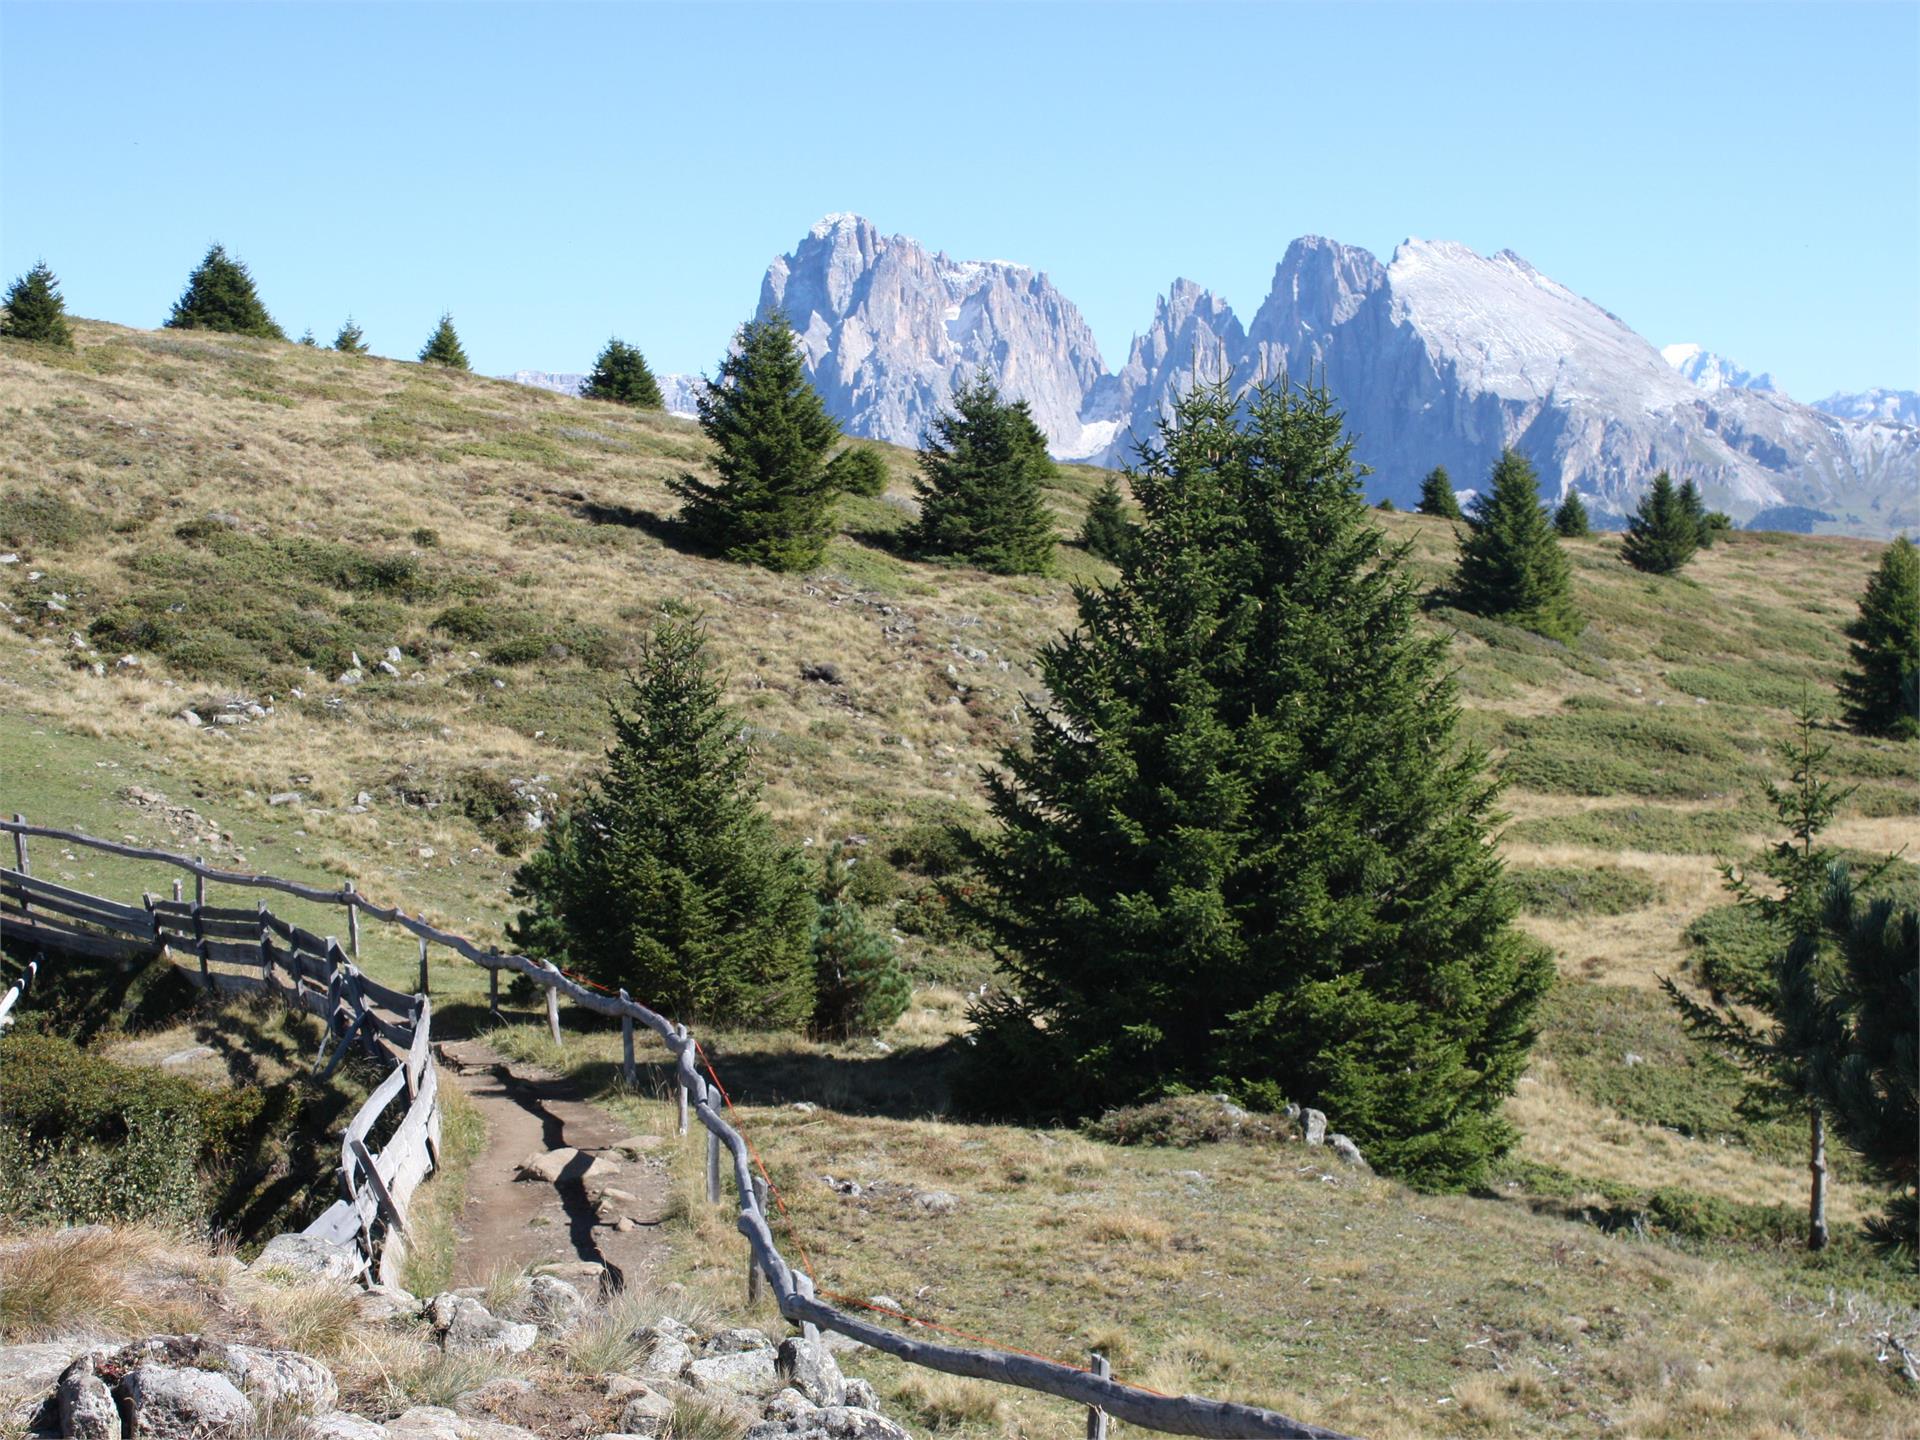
[
  {"x": 244, "y": 928},
  {"x": 397, "y": 1001},
  {"x": 34, "y": 931},
  {"x": 399, "y": 1035},
  {"x": 80, "y": 910},
  {"x": 46, "y": 890},
  {"x": 388, "y": 1090}
]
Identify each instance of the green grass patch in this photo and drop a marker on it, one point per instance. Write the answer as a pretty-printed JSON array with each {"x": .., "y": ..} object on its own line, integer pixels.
[{"x": 1659, "y": 829}]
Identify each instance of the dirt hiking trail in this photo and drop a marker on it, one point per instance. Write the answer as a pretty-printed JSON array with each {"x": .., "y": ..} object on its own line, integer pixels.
[{"x": 514, "y": 1221}]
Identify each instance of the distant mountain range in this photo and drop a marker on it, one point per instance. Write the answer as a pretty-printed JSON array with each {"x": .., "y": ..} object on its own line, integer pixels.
[
  {"x": 676, "y": 390},
  {"x": 1440, "y": 356}
]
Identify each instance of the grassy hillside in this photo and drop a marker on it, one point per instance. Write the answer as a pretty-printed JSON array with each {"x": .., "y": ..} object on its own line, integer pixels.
[{"x": 242, "y": 517}]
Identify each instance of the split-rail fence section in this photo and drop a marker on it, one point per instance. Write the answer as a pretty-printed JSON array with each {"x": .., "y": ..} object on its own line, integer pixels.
[{"x": 237, "y": 950}]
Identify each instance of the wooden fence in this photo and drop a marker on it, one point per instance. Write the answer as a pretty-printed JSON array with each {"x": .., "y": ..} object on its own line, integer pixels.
[
  {"x": 237, "y": 951},
  {"x": 372, "y": 1213}
]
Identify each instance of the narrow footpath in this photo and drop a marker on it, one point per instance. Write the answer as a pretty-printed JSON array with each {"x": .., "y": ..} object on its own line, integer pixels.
[{"x": 512, "y": 1219}]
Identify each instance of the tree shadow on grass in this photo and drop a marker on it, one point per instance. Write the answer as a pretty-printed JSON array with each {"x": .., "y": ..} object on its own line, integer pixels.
[
  {"x": 668, "y": 530},
  {"x": 906, "y": 1084}
]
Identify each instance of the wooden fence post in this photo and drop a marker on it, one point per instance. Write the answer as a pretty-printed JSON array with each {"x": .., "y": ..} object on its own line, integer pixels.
[
  {"x": 1096, "y": 1417},
  {"x": 266, "y": 954},
  {"x": 753, "y": 1265},
  {"x": 627, "y": 1077},
  {"x": 493, "y": 991},
  {"x": 199, "y": 933},
  {"x": 176, "y": 892},
  {"x": 20, "y": 861},
  {"x": 423, "y": 965},
  {"x": 683, "y": 1084},
  {"x": 353, "y": 921},
  {"x": 713, "y": 1167},
  {"x": 553, "y": 1012}
]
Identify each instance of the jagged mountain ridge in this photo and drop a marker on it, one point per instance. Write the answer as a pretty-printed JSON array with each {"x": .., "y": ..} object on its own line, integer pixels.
[{"x": 1440, "y": 356}]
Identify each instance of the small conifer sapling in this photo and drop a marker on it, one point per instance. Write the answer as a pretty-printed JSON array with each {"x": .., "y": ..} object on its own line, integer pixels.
[
  {"x": 443, "y": 347},
  {"x": 36, "y": 311},
  {"x": 621, "y": 374},
  {"x": 1437, "y": 497},
  {"x": 220, "y": 295}
]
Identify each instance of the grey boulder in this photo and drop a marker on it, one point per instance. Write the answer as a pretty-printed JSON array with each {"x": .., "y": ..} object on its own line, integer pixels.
[
  {"x": 466, "y": 1325},
  {"x": 743, "y": 1372},
  {"x": 308, "y": 1255},
  {"x": 809, "y": 1368},
  {"x": 830, "y": 1422},
  {"x": 282, "y": 1378},
  {"x": 647, "y": 1413},
  {"x": 87, "y": 1408},
  {"x": 182, "y": 1404}
]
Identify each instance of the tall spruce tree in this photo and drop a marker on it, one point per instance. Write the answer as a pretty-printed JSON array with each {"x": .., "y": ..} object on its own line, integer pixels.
[
  {"x": 1870, "y": 1083},
  {"x": 983, "y": 465},
  {"x": 1511, "y": 564},
  {"x": 35, "y": 310},
  {"x": 1661, "y": 534},
  {"x": 771, "y": 434},
  {"x": 351, "y": 340},
  {"x": 443, "y": 347},
  {"x": 1795, "y": 1037},
  {"x": 1437, "y": 497},
  {"x": 667, "y": 879},
  {"x": 220, "y": 296},
  {"x": 859, "y": 987},
  {"x": 1570, "y": 520},
  {"x": 621, "y": 374},
  {"x": 1245, "y": 847},
  {"x": 1107, "y": 531},
  {"x": 1880, "y": 692}
]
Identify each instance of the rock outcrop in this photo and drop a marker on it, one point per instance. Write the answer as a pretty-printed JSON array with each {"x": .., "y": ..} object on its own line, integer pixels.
[{"x": 1439, "y": 357}]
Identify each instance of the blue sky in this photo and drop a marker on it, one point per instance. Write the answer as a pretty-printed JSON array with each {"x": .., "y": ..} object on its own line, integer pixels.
[{"x": 1743, "y": 176}]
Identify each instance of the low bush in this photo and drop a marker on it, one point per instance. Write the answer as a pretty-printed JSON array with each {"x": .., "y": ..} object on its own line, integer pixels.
[
  {"x": 1188, "y": 1120},
  {"x": 1565, "y": 891},
  {"x": 33, "y": 517}
]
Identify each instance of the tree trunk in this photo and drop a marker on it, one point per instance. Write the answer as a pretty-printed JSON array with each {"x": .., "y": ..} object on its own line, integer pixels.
[{"x": 1817, "y": 1168}]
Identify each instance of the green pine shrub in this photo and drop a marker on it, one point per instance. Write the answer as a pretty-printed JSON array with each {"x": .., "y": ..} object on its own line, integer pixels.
[
  {"x": 859, "y": 988},
  {"x": 1437, "y": 497},
  {"x": 1661, "y": 533},
  {"x": 220, "y": 295},
  {"x": 35, "y": 310},
  {"x": 621, "y": 374},
  {"x": 1247, "y": 786},
  {"x": 1511, "y": 566},
  {"x": 443, "y": 347},
  {"x": 983, "y": 466},
  {"x": 1880, "y": 692},
  {"x": 666, "y": 876},
  {"x": 773, "y": 501}
]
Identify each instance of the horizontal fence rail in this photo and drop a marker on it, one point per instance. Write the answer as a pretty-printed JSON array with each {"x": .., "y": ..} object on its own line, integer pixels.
[{"x": 323, "y": 979}]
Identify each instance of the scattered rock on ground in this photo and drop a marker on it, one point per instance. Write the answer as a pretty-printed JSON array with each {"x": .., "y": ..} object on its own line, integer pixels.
[
  {"x": 467, "y": 1325},
  {"x": 830, "y": 1422},
  {"x": 183, "y": 1404},
  {"x": 647, "y": 1413},
  {"x": 1315, "y": 1125},
  {"x": 1348, "y": 1151},
  {"x": 281, "y": 1378},
  {"x": 339, "y": 1425},
  {"x": 435, "y": 1422},
  {"x": 666, "y": 1359},
  {"x": 309, "y": 1255},
  {"x": 729, "y": 1342},
  {"x": 807, "y": 1367},
  {"x": 87, "y": 1408},
  {"x": 740, "y": 1372}
]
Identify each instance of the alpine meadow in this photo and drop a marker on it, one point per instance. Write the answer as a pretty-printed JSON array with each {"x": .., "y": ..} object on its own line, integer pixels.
[{"x": 1373, "y": 966}]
